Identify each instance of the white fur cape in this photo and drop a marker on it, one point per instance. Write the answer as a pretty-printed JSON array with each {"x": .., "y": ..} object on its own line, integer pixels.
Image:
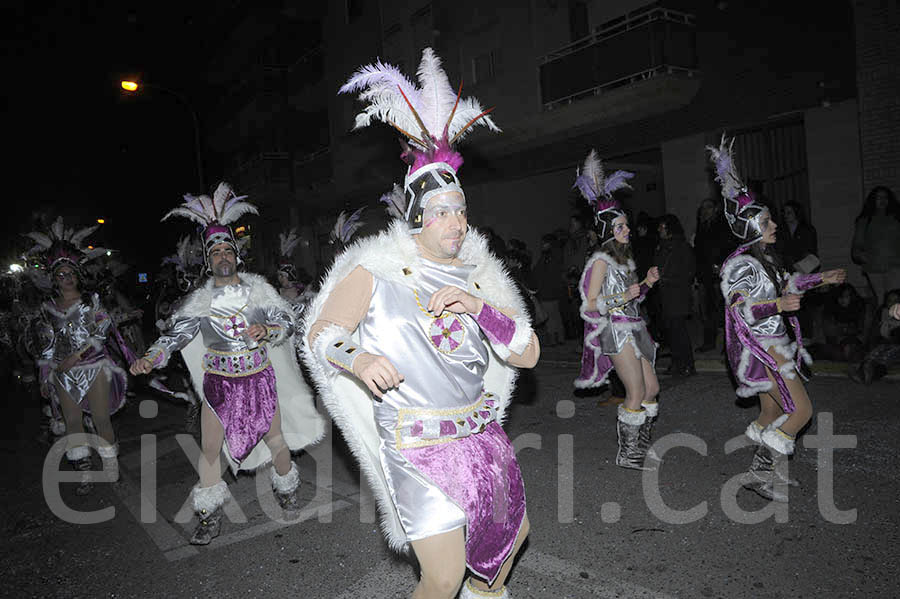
[
  {"x": 301, "y": 424},
  {"x": 389, "y": 256}
]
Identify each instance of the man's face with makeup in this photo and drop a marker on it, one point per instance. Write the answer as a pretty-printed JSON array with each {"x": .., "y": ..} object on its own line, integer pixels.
[{"x": 445, "y": 224}]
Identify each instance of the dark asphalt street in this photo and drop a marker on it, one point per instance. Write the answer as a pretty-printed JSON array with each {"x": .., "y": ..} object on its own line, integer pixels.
[{"x": 597, "y": 530}]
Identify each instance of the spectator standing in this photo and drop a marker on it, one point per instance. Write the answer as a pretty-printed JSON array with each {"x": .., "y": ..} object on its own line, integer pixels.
[
  {"x": 675, "y": 260},
  {"x": 876, "y": 240},
  {"x": 797, "y": 238},
  {"x": 712, "y": 244},
  {"x": 798, "y": 245},
  {"x": 574, "y": 255},
  {"x": 551, "y": 289}
]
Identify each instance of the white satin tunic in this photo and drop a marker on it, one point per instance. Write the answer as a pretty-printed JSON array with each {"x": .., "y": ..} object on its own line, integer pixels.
[{"x": 443, "y": 361}]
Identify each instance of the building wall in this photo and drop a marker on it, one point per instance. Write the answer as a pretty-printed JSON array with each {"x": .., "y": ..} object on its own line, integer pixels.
[
  {"x": 687, "y": 178},
  {"x": 878, "y": 82},
  {"x": 835, "y": 174},
  {"x": 529, "y": 207}
]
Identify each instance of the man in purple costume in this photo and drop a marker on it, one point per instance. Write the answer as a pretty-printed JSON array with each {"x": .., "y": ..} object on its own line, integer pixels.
[
  {"x": 413, "y": 343},
  {"x": 242, "y": 322}
]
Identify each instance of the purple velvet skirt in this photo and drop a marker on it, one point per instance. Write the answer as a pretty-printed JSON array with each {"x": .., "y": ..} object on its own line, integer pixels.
[
  {"x": 480, "y": 473},
  {"x": 245, "y": 405}
]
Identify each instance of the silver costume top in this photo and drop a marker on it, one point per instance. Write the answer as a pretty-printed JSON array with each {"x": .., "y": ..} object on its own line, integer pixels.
[
  {"x": 224, "y": 330},
  {"x": 73, "y": 329},
  {"x": 443, "y": 360},
  {"x": 617, "y": 321},
  {"x": 744, "y": 275},
  {"x": 84, "y": 328}
]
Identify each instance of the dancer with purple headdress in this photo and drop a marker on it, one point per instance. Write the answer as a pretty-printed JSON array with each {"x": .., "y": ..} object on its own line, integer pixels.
[
  {"x": 764, "y": 359},
  {"x": 424, "y": 318},
  {"x": 77, "y": 370},
  {"x": 231, "y": 333},
  {"x": 615, "y": 334}
]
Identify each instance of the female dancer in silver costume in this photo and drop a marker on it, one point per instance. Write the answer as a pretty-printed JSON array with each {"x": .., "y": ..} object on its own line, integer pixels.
[
  {"x": 76, "y": 368},
  {"x": 764, "y": 359},
  {"x": 615, "y": 335}
]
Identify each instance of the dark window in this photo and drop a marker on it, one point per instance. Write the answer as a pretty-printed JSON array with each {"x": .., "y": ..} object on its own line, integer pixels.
[{"x": 354, "y": 10}]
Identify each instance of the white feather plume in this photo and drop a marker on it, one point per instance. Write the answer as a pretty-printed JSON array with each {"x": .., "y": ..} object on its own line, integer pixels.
[
  {"x": 380, "y": 86},
  {"x": 288, "y": 242},
  {"x": 726, "y": 172},
  {"x": 42, "y": 240},
  {"x": 224, "y": 207}
]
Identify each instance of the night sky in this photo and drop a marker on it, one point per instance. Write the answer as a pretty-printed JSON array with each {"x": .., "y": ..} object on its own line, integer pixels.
[{"x": 81, "y": 148}]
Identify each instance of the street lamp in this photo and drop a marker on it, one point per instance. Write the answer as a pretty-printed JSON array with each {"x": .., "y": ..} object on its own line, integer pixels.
[{"x": 132, "y": 87}]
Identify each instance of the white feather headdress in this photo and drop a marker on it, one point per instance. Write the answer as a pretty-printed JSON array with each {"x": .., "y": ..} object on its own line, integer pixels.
[
  {"x": 426, "y": 115},
  {"x": 223, "y": 208}
]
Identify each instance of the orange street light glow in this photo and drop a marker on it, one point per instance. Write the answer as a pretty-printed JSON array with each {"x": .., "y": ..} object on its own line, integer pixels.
[{"x": 129, "y": 86}]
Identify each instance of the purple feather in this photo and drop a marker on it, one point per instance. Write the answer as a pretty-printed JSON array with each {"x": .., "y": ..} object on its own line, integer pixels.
[
  {"x": 616, "y": 181},
  {"x": 586, "y": 187}
]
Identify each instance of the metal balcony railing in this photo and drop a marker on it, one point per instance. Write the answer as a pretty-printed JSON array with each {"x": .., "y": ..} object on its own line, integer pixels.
[{"x": 640, "y": 45}]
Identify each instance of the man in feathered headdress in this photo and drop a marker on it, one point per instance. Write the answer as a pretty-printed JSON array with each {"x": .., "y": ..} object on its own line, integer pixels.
[
  {"x": 424, "y": 318},
  {"x": 247, "y": 377}
]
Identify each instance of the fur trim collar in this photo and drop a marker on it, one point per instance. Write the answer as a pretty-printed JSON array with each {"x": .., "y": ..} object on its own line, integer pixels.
[
  {"x": 261, "y": 294},
  {"x": 51, "y": 307},
  {"x": 612, "y": 262}
]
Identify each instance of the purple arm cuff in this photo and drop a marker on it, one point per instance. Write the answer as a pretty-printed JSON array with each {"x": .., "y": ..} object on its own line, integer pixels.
[
  {"x": 645, "y": 289},
  {"x": 497, "y": 326},
  {"x": 801, "y": 283},
  {"x": 764, "y": 310}
]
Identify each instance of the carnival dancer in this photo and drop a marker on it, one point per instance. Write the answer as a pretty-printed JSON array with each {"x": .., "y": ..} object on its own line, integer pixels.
[
  {"x": 77, "y": 370},
  {"x": 764, "y": 359},
  {"x": 248, "y": 378},
  {"x": 424, "y": 318},
  {"x": 174, "y": 380},
  {"x": 615, "y": 335},
  {"x": 294, "y": 291}
]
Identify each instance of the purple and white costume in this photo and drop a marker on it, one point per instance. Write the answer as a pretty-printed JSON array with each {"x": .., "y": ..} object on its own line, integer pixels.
[
  {"x": 753, "y": 325},
  {"x": 241, "y": 380},
  {"x": 611, "y": 322},
  {"x": 433, "y": 449}
]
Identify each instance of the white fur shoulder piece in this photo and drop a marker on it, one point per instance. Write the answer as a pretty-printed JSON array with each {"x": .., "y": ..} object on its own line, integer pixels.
[
  {"x": 611, "y": 262},
  {"x": 261, "y": 294}
]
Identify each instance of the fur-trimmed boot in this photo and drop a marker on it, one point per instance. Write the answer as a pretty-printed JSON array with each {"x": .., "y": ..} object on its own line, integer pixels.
[
  {"x": 771, "y": 456},
  {"x": 285, "y": 489},
  {"x": 470, "y": 591},
  {"x": 109, "y": 455},
  {"x": 80, "y": 459},
  {"x": 754, "y": 433},
  {"x": 645, "y": 435},
  {"x": 208, "y": 503},
  {"x": 628, "y": 428}
]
